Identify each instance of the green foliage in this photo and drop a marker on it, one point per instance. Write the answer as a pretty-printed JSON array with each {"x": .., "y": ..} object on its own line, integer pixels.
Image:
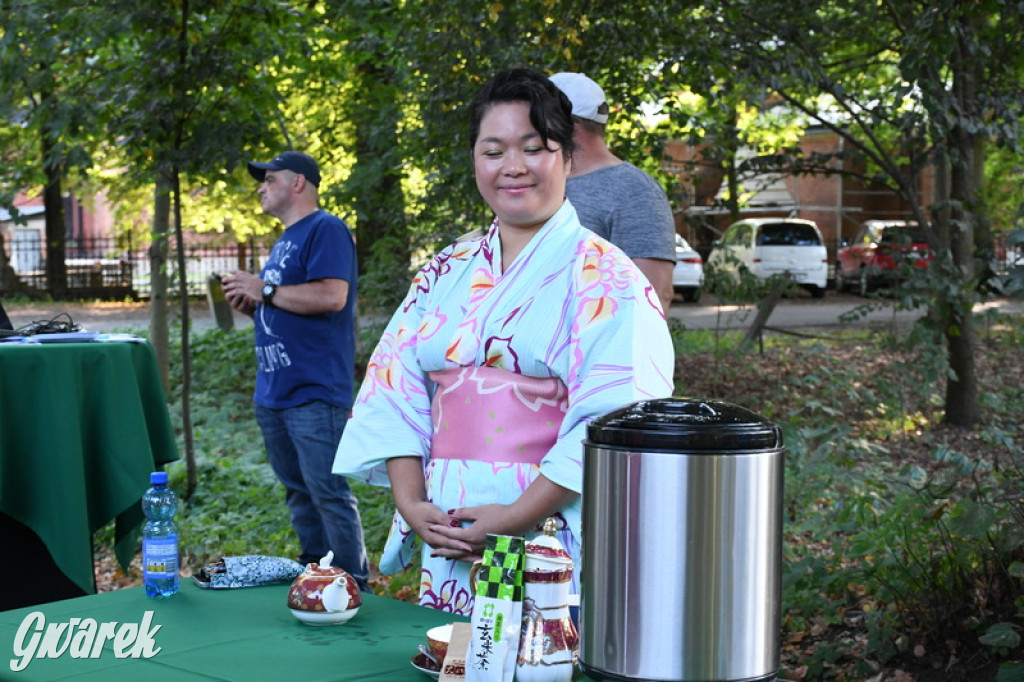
[
  {"x": 378, "y": 91},
  {"x": 1004, "y": 636},
  {"x": 897, "y": 533},
  {"x": 900, "y": 549},
  {"x": 239, "y": 507},
  {"x": 45, "y": 51},
  {"x": 232, "y": 467},
  {"x": 911, "y": 549},
  {"x": 902, "y": 83},
  {"x": 1012, "y": 671}
]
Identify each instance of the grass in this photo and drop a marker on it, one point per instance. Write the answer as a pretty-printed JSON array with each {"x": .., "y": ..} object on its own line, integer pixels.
[
  {"x": 904, "y": 549},
  {"x": 239, "y": 506}
]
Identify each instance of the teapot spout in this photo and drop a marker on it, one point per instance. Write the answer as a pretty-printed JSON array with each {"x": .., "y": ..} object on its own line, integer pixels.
[{"x": 336, "y": 597}]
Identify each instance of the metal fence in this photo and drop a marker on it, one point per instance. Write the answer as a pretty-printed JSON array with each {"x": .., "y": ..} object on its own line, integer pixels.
[{"x": 103, "y": 268}]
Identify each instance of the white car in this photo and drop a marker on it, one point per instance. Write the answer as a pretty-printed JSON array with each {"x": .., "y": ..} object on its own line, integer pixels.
[
  {"x": 790, "y": 247},
  {"x": 688, "y": 273}
]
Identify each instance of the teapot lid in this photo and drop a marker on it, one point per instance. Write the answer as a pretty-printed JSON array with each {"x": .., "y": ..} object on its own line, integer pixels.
[
  {"x": 547, "y": 545},
  {"x": 324, "y": 565}
]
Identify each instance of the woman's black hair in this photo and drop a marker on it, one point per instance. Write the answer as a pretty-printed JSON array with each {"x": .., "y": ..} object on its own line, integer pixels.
[{"x": 550, "y": 109}]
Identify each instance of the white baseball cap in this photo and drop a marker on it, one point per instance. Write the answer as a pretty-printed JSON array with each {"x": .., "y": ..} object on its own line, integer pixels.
[{"x": 586, "y": 95}]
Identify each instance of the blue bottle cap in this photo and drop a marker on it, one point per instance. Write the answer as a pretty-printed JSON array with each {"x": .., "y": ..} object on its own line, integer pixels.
[{"x": 158, "y": 477}]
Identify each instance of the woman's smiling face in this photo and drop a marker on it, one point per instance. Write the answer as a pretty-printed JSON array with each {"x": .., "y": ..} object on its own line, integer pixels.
[{"x": 522, "y": 181}]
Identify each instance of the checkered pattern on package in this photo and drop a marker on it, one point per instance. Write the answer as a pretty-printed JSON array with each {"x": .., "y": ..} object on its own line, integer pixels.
[
  {"x": 501, "y": 574},
  {"x": 497, "y": 611}
]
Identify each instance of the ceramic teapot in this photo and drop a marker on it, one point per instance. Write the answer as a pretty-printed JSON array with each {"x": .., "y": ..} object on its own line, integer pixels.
[
  {"x": 548, "y": 640},
  {"x": 324, "y": 594}
]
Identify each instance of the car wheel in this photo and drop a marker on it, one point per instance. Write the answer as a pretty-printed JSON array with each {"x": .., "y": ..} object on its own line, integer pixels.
[
  {"x": 864, "y": 283},
  {"x": 840, "y": 280},
  {"x": 691, "y": 295}
]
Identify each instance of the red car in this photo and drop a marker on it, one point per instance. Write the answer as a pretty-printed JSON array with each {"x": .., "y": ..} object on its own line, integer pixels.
[{"x": 877, "y": 254}]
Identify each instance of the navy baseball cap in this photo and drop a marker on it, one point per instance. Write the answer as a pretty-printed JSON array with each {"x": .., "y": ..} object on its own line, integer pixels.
[{"x": 297, "y": 162}]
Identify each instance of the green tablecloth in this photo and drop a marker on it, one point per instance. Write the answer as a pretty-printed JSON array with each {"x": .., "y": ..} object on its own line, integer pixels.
[
  {"x": 82, "y": 425},
  {"x": 234, "y": 635}
]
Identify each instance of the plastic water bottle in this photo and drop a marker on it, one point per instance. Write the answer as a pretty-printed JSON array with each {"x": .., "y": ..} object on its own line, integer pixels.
[{"x": 160, "y": 538}]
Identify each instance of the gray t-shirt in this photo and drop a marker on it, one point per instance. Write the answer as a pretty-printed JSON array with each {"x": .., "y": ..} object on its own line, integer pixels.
[{"x": 627, "y": 207}]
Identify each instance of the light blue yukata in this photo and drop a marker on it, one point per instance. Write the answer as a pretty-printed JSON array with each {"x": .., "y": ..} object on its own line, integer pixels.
[{"x": 490, "y": 378}]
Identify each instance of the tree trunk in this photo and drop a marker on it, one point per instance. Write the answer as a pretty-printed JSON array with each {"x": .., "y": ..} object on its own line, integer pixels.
[
  {"x": 158, "y": 328},
  {"x": 53, "y": 201},
  {"x": 732, "y": 144},
  {"x": 376, "y": 183},
  {"x": 965, "y": 213},
  {"x": 961, "y": 335},
  {"x": 186, "y": 353},
  {"x": 962, "y": 387},
  {"x": 764, "y": 311}
]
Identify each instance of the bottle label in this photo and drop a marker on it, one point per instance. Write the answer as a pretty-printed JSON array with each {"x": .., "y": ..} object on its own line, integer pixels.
[{"x": 160, "y": 556}]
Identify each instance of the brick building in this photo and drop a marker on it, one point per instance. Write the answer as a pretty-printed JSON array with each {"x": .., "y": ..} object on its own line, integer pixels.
[{"x": 838, "y": 203}]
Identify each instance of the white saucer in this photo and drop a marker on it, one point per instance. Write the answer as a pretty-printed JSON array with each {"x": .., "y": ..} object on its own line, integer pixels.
[{"x": 323, "y": 618}]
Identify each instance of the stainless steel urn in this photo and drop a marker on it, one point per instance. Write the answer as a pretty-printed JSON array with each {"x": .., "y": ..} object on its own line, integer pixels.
[{"x": 682, "y": 543}]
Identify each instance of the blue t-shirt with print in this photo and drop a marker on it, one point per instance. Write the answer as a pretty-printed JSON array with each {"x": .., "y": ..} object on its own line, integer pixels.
[{"x": 303, "y": 358}]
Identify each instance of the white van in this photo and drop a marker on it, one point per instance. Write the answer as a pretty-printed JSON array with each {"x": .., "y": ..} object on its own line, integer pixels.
[{"x": 790, "y": 247}]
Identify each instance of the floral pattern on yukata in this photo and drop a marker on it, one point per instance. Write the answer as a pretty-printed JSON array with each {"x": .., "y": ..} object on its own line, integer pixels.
[{"x": 571, "y": 307}]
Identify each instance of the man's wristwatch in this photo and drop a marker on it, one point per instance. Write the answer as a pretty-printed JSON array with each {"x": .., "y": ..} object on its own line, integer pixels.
[{"x": 268, "y": 293}]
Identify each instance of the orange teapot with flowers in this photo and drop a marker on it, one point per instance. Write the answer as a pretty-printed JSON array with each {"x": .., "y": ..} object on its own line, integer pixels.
[{"x": 324, "y": 594}]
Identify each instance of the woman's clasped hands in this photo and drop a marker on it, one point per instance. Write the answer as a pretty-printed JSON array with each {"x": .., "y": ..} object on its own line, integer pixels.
[{"x": 463, "y": 533}]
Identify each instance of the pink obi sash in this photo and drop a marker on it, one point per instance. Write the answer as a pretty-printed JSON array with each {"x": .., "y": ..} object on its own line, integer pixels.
[{"x": 487, "y": 414}]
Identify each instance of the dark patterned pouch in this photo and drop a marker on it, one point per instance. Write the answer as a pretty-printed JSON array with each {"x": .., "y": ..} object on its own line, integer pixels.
[{"x": 247, "y": 571}]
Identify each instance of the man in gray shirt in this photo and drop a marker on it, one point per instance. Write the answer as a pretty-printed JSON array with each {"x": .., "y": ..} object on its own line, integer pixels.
[{"x": 613, "y": 198}]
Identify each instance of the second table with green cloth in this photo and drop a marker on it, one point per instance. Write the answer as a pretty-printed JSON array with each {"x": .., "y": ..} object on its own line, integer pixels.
[
  {"x": 82, "y": 425},
  {"x": 235, "y": 635}
]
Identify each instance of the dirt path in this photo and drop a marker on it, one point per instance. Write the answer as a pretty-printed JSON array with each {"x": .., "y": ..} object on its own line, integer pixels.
[{"x": 107, "y": 316}]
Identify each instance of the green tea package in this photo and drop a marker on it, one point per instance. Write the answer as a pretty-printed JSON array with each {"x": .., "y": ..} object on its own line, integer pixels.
[{"x": 496, "y": 620}]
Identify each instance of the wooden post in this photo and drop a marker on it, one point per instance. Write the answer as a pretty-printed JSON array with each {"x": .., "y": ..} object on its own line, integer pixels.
[{"x": 764, "y": 311}]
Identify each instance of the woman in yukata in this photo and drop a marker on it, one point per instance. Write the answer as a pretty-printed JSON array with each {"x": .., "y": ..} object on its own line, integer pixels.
[{"x": 476, "y": 399}]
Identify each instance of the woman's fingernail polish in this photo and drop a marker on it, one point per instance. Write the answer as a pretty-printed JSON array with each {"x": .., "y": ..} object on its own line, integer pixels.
[
  {"x": 450, "y": 512},
  {"x": 454, "y": 523}
]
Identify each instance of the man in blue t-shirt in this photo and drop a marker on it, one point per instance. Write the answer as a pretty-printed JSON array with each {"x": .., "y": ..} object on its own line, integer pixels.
[{"x": 303, "y": 307}]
